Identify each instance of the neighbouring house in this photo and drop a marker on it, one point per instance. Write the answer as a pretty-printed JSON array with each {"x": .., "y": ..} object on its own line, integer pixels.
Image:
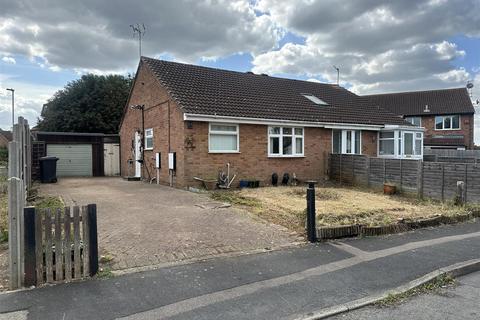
[
  {"x": 183, "y": 121},
  {"x": 447, "y": 115},
  {"x": 5, "y": 138}
]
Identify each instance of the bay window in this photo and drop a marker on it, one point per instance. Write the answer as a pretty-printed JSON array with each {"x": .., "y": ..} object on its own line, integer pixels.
[
  {"x": 400, "y": 144},
  {"x": 285, "y": 141},
  {"x": 447, "y": 122},
  {"x": 346, "y": 141},
  {"x": 223, "y": 138}
]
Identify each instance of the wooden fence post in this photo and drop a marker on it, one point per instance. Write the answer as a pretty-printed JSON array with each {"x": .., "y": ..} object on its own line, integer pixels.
[
  {"x": 93, "y": 238},
  {"x": 341, "y": 169},
  {"x": 14, "y": 205},
  {"x": 30, "y": 246},
  {"x": 401, "y": 175},
  {"x": 369, "y": 160},
  {"x": 466, "y": 182},
  {"x": 443, "y": 181},
  {"x": 420, "y": 179},
  {"x": 384, "y": 170}
]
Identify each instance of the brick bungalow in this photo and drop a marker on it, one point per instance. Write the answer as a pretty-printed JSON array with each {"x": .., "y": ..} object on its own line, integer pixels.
[
  {"x": 447, "y": 115},
  {"x": 259, "y": 124}
]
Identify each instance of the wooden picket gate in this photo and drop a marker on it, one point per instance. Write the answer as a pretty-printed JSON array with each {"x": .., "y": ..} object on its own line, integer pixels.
[{"x": 60, "y": 245}]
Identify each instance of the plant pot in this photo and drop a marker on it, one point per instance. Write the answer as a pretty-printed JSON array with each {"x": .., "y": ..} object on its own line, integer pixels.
[
  {"x": 210, "y": 184},
  {"x": 389, "y": 189}
]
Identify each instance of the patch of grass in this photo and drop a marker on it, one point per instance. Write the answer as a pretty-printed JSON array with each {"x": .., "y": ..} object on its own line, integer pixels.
[
  {"x": 3, "y": 218},
  {"x": 105, "y": 273},
  {"x": 435, "y": 285},
  {"x": 235, "y": 197},
  {"x": 51, "y": 202}
]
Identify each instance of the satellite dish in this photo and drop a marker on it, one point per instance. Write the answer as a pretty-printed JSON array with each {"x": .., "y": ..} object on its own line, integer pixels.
[{"x": 469, "y": 85}]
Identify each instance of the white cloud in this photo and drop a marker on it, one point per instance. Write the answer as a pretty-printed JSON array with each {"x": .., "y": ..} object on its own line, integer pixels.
[
  {"x": 29, "y": 99},
  {"x": 378, "y": 45},
  {"x": 92, "y": 35},
  {"x": 8, "y": 59}
]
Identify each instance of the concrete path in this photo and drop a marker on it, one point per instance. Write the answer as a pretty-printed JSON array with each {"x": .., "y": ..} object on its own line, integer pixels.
[
  {"x": 458, "y": 302},
  {"x": 142, "y": 224},
  {"x": 283, "y": 284}
]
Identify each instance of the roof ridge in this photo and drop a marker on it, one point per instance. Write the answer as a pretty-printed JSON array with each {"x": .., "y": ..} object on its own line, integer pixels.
[
  {"x": 333, "y": 85},
  {"x": 415, "y": 91}
]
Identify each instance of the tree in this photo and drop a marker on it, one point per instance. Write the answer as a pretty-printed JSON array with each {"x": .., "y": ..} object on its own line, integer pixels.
[{"x": 92, "y": 103}]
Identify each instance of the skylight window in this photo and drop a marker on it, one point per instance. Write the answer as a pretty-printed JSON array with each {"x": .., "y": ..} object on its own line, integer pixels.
[{"x": 314, "y": 99}]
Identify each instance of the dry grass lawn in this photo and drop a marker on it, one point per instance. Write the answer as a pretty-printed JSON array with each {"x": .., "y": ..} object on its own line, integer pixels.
[{"x": 335, "y": 206}]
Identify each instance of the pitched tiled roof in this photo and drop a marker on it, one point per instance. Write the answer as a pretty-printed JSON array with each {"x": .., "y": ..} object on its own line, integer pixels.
[
  {"x": 209, "y": 91},
  {"x": 413, "y": 103},
  {"x": 6, "y": 134}
]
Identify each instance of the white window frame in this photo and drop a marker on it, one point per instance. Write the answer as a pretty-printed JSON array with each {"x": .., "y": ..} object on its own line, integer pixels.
[
  {"x": 280, "y": 136},
  {"x": 451, "y": 122},
  {"x": 226, "y": 133},
  {"x": 399, "y": 145},
  {"x": 343, "y": 147},
  {"x": 148, "y": 135},
  {"x": 410, "y": 120}
]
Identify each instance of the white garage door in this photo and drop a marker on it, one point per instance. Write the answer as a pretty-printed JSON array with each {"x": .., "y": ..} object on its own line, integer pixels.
[{"x": 75, "y": 159}]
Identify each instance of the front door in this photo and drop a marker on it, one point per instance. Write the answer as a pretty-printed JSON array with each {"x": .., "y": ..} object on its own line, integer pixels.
[{"x": 138, "y": 154}]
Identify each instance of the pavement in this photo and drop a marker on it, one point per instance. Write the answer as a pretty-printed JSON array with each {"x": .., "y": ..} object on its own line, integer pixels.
[
  {"x": 141, "y": 224},
  {"x": 458, "y": 302},
  {"x": 282, "y": 284}
]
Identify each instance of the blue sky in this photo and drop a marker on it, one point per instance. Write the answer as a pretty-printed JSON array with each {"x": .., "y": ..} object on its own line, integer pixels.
[{"x": 379, "y": 46}]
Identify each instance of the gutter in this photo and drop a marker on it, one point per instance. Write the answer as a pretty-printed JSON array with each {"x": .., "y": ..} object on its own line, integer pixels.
[{"x": 316, "y": 124}]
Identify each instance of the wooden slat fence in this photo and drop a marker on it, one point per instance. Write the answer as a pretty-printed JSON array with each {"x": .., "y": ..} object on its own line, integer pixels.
[
  {"x": 437, "y": 180},
  {"x": 61, "y": 245}
]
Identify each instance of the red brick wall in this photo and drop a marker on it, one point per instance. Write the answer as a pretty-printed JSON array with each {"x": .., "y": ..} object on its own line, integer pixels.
[
  {"x": 159, "y": 109},
  {"x": 466, "y": 129},
  {"x": 253, "y": 160},
  {"x": 369, "y": 143},
  {"x": 165, "y": 117}
]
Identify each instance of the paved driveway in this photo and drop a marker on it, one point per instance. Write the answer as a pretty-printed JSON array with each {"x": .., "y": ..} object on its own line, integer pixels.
[{"x": 141, "y": 224}]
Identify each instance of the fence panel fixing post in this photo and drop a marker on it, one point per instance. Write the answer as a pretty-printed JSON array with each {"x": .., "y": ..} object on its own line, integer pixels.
[
  {"x": 93, "y": 238},
  {"x": 30, "y": 247},
  {"x": 311, "y": 228}
]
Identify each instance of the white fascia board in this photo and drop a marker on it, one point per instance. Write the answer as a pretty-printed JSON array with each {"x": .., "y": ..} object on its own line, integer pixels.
[
  {"x": 405, "y": 128},
  {"x": 276, "y": 122}
]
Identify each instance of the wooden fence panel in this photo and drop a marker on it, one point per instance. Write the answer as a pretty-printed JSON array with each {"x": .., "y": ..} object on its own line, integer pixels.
[
  {"x": 473, "y": 183},
  {"x": 54, "y": 251},
  {"x": 360, "y": 169},
  {"x": 377, "y": 172},
  {"x": 67, "y": 245},
  {"x": 410, "y": 174},
  {"x": 453, "y": 172},
  {"x": 432, "y": 180}
]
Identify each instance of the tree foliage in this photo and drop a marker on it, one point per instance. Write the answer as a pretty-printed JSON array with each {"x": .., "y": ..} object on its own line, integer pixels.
[{"x": 92, "y": 103}]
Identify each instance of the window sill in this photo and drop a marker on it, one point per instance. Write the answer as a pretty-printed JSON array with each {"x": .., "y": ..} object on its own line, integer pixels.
[
  {"x": 448, "y": 129},
  {"x": 287, "y": 156},
  {"x": 148, "y": 149},
  {"x": 217, "y": 152}
]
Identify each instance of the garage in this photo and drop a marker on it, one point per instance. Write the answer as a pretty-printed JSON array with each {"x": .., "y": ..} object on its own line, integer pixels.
[
  {"x": 75, "y": 160},
  {"x": 79, "y": 154}
]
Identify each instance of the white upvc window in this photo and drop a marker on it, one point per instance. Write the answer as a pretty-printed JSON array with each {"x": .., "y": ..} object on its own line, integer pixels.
[
  {"x": 447, "y": 122},
  {"x": 400, "y": 144},
  {"x": 416, "y": 121},
  {"x": 223, "y": 138},
  {"x": 285, "y": 142},
  {"x": 148, "y": 139},
  {"x": 347, "y": 141}
]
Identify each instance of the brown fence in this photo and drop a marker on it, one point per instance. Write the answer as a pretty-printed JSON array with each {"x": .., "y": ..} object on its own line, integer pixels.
[
  {"x": 60, "y": 245},
  {"x": 437, "y": 180}
]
